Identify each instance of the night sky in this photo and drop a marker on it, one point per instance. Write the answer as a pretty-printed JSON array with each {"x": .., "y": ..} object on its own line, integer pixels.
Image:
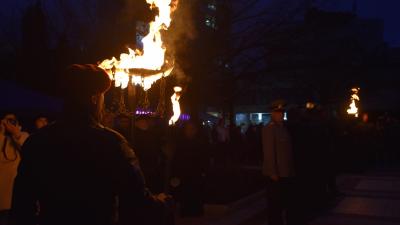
[{"x": 387, "y": 10}]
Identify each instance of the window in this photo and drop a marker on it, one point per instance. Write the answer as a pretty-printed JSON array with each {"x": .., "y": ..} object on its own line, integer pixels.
[
  {"x": 255, "y": 118},
  {"x": 241, "y": 118}
]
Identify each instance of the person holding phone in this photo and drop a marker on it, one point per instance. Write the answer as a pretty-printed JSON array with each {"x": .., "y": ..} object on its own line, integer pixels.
[{"x": 11, "y": 141}]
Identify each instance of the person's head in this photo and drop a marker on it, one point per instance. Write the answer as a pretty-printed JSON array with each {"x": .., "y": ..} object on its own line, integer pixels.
[
  {"x": 365, "y": 117},
  {"x": 142, "y": 122},
  {"x": 277, "y": 116},
  {"x": 41, "y": 122},
  {"x": 278, "y": 109},
  {"x": 83, "y": 90},
  {"x": 8, "y": 118}
]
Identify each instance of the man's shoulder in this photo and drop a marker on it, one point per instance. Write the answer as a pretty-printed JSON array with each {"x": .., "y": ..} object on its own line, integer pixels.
[
  {"x": 113, "y": 133},
  {"x": 108, "y": 133},
  {"x": 97, "y": 130}
]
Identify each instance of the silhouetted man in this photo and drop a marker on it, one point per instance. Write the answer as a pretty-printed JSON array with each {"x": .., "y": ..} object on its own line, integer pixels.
[{"x": 76, "y": 171}]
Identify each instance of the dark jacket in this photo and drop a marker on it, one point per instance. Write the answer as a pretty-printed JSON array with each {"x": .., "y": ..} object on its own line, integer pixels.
[
  {"x": 81, "y": 174},
  {"x": 190, "y": 159},
  {"x": 147, "y": 145}
]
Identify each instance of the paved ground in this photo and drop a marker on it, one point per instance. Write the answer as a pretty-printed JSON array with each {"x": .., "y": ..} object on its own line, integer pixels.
[
  {"x": 246, "y": 210},
  {"x": 369, "y": 199}
]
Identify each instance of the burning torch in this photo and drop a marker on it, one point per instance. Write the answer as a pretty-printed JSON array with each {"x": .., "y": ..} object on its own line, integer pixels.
[
  {"x": 353, "y": 110},
  {"x": 176, "y": 108}
]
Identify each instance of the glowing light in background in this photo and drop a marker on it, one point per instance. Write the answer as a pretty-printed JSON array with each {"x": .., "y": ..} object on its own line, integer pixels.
[
  {"x": 175, "y": 105},
  {"x": 353, "y": 110}
]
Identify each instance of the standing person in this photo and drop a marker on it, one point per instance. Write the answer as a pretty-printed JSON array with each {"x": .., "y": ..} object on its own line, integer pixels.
[
  {"x": 148, "y": 146},
  {"x": 278, "y": 167},
  {"x": 253, "y": 143},
  {"x": 188, "y": 168},
  {"x": 76, "y": 171},
  {"x": 236, "y": 144},
  {"x": 222, "y": 139},
  {"x": 122, "y": 125},
  {"x": 11, "y": 140}
]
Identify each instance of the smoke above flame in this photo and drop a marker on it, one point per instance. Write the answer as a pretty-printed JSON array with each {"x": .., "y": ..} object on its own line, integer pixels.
[{"x": 151, "y": 58}]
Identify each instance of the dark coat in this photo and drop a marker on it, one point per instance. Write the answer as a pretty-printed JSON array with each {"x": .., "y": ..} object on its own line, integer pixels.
[
  {"x": 188, "y": 165},
  {"x": 81, "y": 174},
  {"x": 190, "y": 159},
  {"x": 147, "y": 145}
]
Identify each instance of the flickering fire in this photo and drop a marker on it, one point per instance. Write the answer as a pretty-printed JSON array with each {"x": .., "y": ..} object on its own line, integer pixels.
[
  {"x": 176, "y": 108},
  {"x": 152, "y": 57},
  {"x": 353, "y": 110}
]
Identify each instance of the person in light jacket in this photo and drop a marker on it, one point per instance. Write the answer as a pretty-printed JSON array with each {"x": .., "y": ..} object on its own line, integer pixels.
[
  {"x": 278, "y": 168},
  {"x": 11, "y": 140}
]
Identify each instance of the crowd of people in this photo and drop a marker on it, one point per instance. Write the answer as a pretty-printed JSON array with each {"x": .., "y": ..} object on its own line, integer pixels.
[{"x": 91, "y": 167}]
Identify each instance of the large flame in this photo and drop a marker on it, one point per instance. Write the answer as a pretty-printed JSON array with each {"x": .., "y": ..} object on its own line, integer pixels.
[
  {"x": 353, "y": 110},
  {"x": 176, "y": 108},
  {"x": 151, "y": 58}
]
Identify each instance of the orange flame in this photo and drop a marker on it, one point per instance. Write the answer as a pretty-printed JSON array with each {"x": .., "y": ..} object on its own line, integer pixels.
[
  {"x": 353, "y": 110},
  {"x": 151, "y": 58},
  {"x": 176, "y": 108}
]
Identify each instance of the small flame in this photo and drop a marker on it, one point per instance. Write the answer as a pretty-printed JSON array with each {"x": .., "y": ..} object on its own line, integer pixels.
[
  {"x": 176, "y": 108},
  {"x": 151, "y": 58},
  {"x": 353, "y": 110}
]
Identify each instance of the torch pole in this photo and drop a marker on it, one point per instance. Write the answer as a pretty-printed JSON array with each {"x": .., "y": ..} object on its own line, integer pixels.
[
  {"x": 132, "y": 108},
  {"x": 170, "y": 148}
]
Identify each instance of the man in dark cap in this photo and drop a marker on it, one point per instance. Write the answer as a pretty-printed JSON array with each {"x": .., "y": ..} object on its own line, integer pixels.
[
  {"x": 278, "y": 167},
  {"x": 76, "y": 171}
]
